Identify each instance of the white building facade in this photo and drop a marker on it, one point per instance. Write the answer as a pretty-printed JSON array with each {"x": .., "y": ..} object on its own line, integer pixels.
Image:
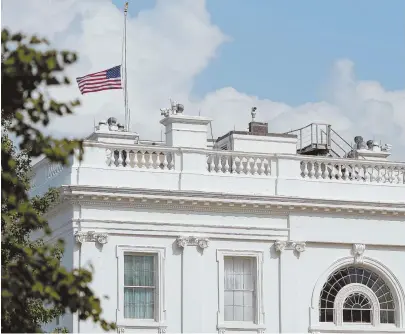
[{"x": 238, "y": 235}]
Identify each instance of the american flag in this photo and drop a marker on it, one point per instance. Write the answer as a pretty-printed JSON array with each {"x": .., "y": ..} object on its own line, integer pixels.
[{"x": 103, "y": 80}]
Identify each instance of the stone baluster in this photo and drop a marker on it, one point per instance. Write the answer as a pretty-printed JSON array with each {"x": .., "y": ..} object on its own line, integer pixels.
[
  {"x": 304, "y": 167},
  {"x": 170, "y": 160},
  {"x": 226, "y": 164},
  {"x": 238, "y": 164},
  {"x": 212, "y": 163},
  {"x": 126, "y": 155},
  {"x": 255, "y": 168},
  {"x": 143, "y": 161},
  {"x": 233, "y": 166},
  {"x": 261, "y": 168},
  {"x": 164, "y": 162},
  {"x": 119, "y": 158},
  {"x": 311, "y": 169},
  {"x": 248, "y": 166}
]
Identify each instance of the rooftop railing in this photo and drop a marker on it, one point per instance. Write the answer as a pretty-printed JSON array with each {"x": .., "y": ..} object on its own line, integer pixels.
[{"x": 211, "y": 162}]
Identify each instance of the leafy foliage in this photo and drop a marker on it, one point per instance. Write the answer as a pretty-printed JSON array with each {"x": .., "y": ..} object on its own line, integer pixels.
[{"x": 35, "y": 286}]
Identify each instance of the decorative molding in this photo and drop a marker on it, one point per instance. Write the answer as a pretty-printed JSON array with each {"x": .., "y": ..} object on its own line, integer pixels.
[
  {"x": 213, "y": 202},
  {"x": 298, "y": 246},
  {"x": 374, "y": 265},
  {"x": 160, "y": 304},
  {"x": 162, "y": 329},
  {"x": 192, "y": 241},
  {"x": 358, "y": 252},
  {"x": 279, "y": 245},
  {"x": 91, "y": 236},
  {"x": 235, "y": 326},
  {"x": 346, "y": 291}
]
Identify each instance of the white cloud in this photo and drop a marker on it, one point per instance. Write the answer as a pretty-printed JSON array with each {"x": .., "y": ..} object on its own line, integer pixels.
[{"x": 168, "y": 47}]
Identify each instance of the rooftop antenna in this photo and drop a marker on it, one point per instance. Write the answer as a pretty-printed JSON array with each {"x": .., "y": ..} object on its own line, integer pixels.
[
  {"x": 175, "y": 109},
  {"x": 253, "y": 113}
]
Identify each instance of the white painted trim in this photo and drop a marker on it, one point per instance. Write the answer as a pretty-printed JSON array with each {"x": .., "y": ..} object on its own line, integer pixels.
[
  {"x": 374, "y": 265},
  {"x": 160, "y": 312},
  {"x": 258, "y": 323},
  {"x": 210, "y": 201},
  {"x": 345, "y": 292}
]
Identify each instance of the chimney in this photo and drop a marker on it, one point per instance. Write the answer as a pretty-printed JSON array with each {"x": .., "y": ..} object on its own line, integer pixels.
[
  {"x": 258, "y": 129},
  {"x": 186, "y": 131}
]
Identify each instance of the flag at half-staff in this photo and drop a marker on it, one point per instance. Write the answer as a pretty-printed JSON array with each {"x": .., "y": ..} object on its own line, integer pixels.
[{"x": 98, "y": 81}]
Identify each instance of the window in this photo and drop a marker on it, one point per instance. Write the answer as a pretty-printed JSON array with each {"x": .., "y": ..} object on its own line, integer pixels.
[
  {"x": 354, "y": 294},
  {"x": 357, "y": 308},
  {"x": 139, "y": 286},
  {"x": 239, "y": 289}
]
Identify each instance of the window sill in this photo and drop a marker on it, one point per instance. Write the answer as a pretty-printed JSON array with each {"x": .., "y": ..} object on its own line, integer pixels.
[
  {"x": 140, "y": 323},
  {"x": 354, "y": 328},
  {"x": 240, "y": 325}
]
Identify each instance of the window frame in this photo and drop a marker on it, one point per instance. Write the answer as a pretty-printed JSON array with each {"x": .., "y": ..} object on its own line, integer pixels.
[
  {"x": 258, "y": 322},
  {"x": 160, "y": 309},
  {"x": 380, "y": 269}
]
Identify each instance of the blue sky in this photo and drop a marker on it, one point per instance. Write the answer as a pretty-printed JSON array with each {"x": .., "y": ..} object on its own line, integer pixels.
[
  {"x": 284, "y": 50},
  {"x": 340, "y": 62}
]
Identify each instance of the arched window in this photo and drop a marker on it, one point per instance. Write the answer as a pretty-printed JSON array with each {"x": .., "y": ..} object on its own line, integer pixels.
[
  {"x": 357, "y": 308},
  {"x": 354, "y": 294}
]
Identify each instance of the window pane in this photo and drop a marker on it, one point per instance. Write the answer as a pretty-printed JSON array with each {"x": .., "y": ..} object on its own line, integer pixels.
[
  {"x": 139, "y": 303},
  {"x": 248, "y": 298},
  {"x": 228, "y": 313},
  {"x": 357, "y": 308},
  {"x": 248, "y": 314},
  {"x": 238, "y": 313},
  {"x": 139, "y": 270},
  {"x": 239, "y": 286},
  {"x": 228, "y": 274},
  {"x": 228, "y": 298},
  {"x": 238, "y": 298},
  {"x": 128, "y": 270}
]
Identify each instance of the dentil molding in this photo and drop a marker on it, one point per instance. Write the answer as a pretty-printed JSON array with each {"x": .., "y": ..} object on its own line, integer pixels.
[
  {"x": 358, "y": 252},
  {"x": 183, "y": 241},
  {"x": 91, "y": 236},
  {"x": 298, "y": 246},
  {"x": 213, "y": 202}
]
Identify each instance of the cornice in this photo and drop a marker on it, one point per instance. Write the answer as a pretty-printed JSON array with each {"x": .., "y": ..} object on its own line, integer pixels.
[{"x": 221, "y": 202}]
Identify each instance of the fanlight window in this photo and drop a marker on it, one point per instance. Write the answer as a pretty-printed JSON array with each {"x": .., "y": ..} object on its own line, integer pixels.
[{"x": 357, "y": 306}]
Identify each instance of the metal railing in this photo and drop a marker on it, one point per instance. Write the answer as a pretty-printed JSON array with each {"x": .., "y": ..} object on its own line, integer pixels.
[{"x": 321, "y": 136}]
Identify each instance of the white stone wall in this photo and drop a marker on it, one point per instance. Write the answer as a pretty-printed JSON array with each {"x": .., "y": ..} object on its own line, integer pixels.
[
  {"x": 191, "y": 277},
  {"x": 298, "y": 216}
]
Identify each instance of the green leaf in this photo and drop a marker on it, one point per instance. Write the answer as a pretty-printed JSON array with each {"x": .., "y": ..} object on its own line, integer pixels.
[{"x": 36, "y": 288}]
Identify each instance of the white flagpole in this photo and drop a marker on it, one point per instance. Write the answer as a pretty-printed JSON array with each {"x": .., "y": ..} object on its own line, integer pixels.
[{"x": 124, "y": 70}]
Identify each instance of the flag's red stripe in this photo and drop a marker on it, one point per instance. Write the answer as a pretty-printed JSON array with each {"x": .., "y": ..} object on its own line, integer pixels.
[
  {"x": 102, "y": 85},
  {"x": 93, "y": 79},
  {"x": 98, "y": 90},
  {"x": 96, "y": 80},
  {"x": 101, "y": 74},
  {"x": 99, "y": 82}
]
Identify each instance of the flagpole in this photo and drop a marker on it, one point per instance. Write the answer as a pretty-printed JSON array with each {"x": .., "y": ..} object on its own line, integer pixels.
[{"x": 127, "y": 117}]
